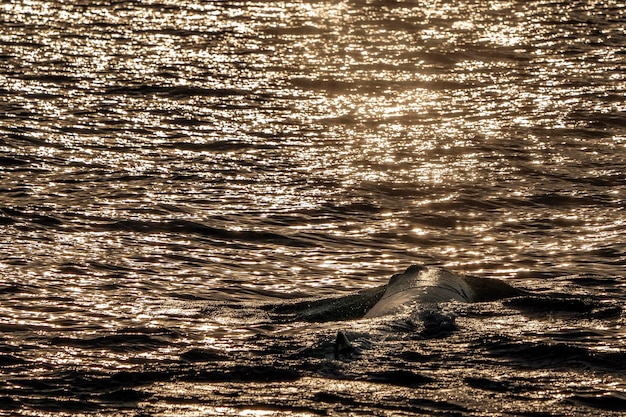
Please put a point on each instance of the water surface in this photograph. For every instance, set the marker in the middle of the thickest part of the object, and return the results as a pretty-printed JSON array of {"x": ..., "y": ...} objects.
[{"x": 167, "y": 167}]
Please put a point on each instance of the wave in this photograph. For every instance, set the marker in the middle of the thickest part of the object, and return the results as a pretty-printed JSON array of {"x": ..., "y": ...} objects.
[
  {"x": 196, "y": 228},
  {"x": 175, "y": 91},
  {"x": 11, "y": 216},
  {"x": 548, "y": 354}
]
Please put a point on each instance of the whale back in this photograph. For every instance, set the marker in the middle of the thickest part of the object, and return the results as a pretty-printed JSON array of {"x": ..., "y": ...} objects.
[
  {"x": 418, "y": 284},
  {"x": 421, "y": 284},
  {"x": 491, "y": 289}
]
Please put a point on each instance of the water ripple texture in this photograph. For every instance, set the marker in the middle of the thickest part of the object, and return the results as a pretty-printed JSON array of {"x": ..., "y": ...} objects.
[{"x": 163, "y": 159}]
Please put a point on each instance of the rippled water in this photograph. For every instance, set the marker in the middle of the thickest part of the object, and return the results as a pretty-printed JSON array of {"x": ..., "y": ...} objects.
[{"x": 167, "y": 167}]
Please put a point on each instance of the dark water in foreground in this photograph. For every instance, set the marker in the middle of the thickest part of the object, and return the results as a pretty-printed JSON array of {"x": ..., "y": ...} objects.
[{"x": 169, "y": 168}]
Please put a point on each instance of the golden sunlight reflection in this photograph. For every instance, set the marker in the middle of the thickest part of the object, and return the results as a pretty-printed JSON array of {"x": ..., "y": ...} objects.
[{"x": 175, "y": 174}]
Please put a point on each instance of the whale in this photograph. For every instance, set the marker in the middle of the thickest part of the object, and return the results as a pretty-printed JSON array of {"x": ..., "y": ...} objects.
[
  {"x": 424, "y": 285},
  {"x": 419, "y": 291},
  {"x": 417, "y": 286}
]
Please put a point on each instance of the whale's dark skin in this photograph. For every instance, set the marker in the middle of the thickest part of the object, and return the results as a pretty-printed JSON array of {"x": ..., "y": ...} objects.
[
  {"x": 348, "y": 307},
  {"x": 364, "y": 303}
]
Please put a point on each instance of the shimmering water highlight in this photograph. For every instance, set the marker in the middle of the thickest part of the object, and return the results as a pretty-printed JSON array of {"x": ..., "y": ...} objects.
[{"x": 168, "y": 166}]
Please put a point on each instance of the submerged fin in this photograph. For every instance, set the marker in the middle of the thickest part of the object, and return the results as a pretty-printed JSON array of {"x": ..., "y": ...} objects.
[{"x": 343, "y": 346}]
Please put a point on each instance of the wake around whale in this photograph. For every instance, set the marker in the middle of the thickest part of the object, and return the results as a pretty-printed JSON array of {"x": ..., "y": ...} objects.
[
  {"x": 418, "y": 290},
  {"x": 418, "y": 285}
]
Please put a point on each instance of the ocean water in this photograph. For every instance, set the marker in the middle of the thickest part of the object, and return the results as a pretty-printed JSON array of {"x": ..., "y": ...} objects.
[{"x": 170, "y": 168}]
